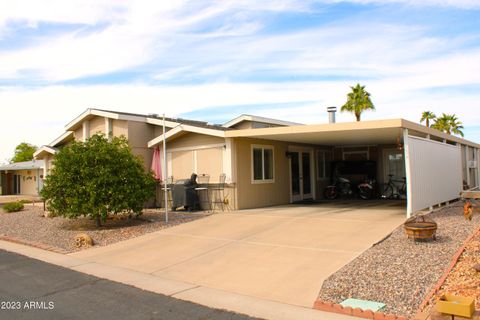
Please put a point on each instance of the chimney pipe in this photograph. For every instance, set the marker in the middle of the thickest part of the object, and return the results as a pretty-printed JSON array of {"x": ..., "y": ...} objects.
[{"x": 331, "y": 114}]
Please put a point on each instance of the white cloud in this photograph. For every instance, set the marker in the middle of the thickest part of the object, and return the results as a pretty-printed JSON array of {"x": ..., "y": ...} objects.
[
  {"x": 39, "y": 115},
  {"x": 214, "y": 42}
]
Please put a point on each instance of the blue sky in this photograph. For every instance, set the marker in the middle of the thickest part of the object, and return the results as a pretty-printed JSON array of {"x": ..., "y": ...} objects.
[{"x": 213, "y": 60}]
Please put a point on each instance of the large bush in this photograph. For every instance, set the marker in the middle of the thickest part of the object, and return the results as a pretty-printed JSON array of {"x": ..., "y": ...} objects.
[
  {"x": 97, "y": 178},
  {"x": 13, "y": 206}
]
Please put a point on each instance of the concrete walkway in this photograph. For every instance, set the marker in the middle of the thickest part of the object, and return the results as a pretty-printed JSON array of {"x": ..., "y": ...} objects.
[{"x": 279, "y": 254}]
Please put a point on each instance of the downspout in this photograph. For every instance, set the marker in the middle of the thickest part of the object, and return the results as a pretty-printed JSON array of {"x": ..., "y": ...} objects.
[
  {"x": 408, "y": 173},
  {"x": 466, "y": 167},
  {"x": 165, "y": 170},
  {"x": 478, "y": 167}
]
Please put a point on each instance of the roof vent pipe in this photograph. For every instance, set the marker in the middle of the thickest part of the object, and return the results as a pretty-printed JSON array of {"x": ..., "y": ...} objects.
[{"x": 331, "y": 114}]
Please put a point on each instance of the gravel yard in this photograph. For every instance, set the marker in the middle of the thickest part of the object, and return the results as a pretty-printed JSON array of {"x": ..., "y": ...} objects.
[
  {"x": 398, "y": 271},
  {"x": 31, "y": 225},
  {"x": 463, "y": 280}
]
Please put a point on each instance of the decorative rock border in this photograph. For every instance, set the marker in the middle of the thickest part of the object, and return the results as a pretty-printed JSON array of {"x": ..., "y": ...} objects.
[
  {"x": 369, "y": 314},
  {"x": 32, "y": 244},
  {"x": 357, "y": 312},
  {"x": 453, "y": 262}
]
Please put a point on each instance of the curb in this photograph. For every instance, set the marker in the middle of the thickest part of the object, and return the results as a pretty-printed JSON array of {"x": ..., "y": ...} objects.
[
  {"x": 452, "y": 264},
  {"x": 34, "y": 244},
  {"x": 357, "y": 312}
]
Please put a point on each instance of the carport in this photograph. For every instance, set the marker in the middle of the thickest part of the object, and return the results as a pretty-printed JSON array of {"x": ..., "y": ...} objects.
[{"x": 436, "y": 165}]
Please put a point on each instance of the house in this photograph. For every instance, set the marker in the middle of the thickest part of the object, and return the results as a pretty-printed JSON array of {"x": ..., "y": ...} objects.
[
  {"x": 272, "y": 162},
  {"x": 24, "y": 178}
]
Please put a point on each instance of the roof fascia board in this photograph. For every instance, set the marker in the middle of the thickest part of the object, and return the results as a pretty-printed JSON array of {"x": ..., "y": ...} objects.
[
  {"x": 78, "y": 119},
  {"x": 44, "y": 149},
  {"x": 89, "y": 112},
  {"x": 61, "y": 138},
  {"x": 206, "y": 131},
  {"x": 185, "y": 128},
  {"x": 165, "y": 136},
  {"x": 116, "y": 116},
  {"x": 339, "y": 126},
  {"x": 434, "y": 132}
]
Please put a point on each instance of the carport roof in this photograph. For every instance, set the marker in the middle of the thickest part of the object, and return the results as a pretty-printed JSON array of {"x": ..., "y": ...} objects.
[{"x": 346, "y": 133}]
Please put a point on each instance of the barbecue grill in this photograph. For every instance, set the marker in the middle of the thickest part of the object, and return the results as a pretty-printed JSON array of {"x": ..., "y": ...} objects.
[{"x": 184, "y": 194}]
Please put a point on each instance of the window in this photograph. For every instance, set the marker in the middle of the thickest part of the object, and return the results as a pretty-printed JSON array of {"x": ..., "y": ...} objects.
[
  {"x": 324, "y": 159},
  {"x": 262, "y": 164},
  {"x": 356, "y": 155}
]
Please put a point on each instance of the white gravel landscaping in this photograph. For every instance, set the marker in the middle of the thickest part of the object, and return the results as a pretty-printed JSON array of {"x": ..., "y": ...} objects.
[
  {"x": 398, "y": 271},
  {"x": 30, "y": 224}
]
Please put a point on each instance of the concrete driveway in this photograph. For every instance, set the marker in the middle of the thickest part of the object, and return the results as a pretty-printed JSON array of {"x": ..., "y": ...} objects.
[{"x": 279, "y": 253}]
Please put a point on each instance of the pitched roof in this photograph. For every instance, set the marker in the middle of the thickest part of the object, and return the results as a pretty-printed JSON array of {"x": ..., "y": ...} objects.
[
  {"x": 25, "y": 165},
  {"x": 248, "y": 117},
  {"x": 44, "y": 150},
  {"x": 148, "y": 118},
  {"x": 182, "y": 128}
]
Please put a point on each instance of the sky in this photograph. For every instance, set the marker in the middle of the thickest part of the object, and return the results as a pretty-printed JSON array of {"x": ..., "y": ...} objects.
[{"x": 215, "y": 60}]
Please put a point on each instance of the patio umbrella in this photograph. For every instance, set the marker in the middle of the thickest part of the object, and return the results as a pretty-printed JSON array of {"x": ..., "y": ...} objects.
[{"x": 157, "y": 164}]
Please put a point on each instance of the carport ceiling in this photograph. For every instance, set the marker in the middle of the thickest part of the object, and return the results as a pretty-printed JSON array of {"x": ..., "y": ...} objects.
[{"x": 348, "y": 137}]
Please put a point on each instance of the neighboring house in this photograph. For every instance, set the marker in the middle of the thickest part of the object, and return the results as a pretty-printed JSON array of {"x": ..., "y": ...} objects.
[
  {"x": 24, "y": 178},
  {"x": 271, "y": 162}
]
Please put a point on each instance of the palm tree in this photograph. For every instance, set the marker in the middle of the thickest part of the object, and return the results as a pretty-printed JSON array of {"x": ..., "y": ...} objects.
[
  {"x": 455, "y": 125},
  {"x": 358, "y": 101},
  {"x": 427, "y": 116},
  {"x": 449, "y": 124},
  {"x": 442, "y": 124}
]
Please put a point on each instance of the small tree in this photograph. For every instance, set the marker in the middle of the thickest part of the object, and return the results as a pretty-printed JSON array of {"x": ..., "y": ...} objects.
[
  {"x": 358, "y": 101},
  {"x": 97, "y": 178},
  {"x": 24, "y": 152}
]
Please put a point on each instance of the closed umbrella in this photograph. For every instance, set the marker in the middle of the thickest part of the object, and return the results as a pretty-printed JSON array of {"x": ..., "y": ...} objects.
[{"x": 157, "y": 164}]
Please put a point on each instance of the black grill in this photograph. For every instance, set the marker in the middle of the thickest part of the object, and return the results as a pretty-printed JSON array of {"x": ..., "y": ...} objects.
[{"x": 184, "y": 194}]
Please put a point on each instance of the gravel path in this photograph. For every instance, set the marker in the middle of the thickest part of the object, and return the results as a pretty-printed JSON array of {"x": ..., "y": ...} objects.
[
  {"x": 398, "y": 271},
  {"x": 30, "y": 224}
]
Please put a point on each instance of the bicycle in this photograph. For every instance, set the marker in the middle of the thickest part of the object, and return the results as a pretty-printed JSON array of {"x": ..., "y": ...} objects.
[{"x": 391, "y": 186}]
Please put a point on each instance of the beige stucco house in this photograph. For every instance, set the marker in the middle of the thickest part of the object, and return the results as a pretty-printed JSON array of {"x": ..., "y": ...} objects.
[
  {"x": 24, "y": 178},
  {"x": 271, "y": 162}
]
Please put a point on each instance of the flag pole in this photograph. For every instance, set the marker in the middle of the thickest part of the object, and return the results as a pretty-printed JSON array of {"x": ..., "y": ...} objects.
[{"x": 165, "y": 184}]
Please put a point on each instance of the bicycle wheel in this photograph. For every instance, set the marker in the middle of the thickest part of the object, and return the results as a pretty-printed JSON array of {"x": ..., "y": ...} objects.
[
  {"x": 365, "y": 193},
  {"x": 330, "y": 192},
  {"x": 387, "y": 192}
]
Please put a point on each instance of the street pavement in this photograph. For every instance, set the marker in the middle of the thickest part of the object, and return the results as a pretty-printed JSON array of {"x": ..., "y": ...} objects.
[{"x": 32, "y": 289}]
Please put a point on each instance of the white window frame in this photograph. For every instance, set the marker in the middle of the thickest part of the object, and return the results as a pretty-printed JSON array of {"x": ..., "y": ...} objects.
[{"x": 262, "y": 147}]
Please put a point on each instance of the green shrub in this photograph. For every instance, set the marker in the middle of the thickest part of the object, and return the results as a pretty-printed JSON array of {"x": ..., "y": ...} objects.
[
  {"x": 13, "y": 206},
  {"x": 24, "y": 201},
  {"x": 97, "y": 178}
]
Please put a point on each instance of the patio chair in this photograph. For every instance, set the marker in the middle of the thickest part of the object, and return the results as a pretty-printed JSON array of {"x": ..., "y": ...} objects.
[
  {"x": 218, "y": 192},
  {"x": 203, "y": 180}
]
